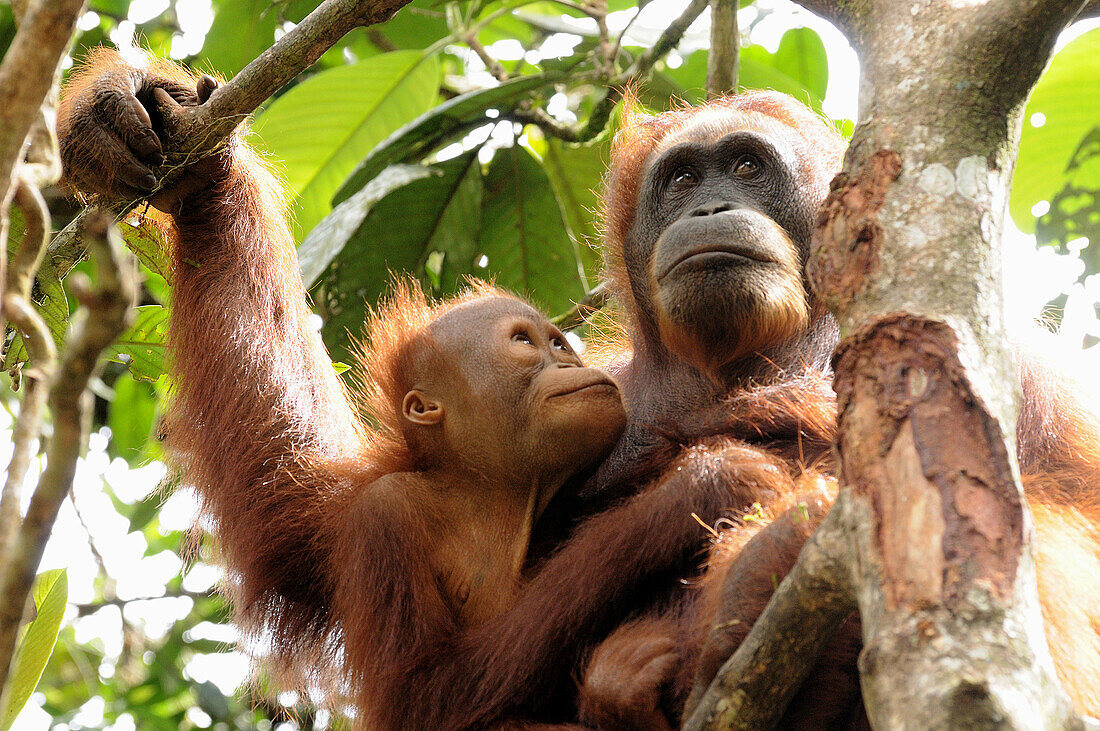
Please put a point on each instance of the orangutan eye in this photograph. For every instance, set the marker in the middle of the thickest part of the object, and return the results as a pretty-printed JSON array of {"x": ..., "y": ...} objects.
[
  {"x": 559, "y": 343},
  {"x": 747, "y": 166},
  {"x": 521, "y": 337},
  {"x": 684, "y": 175}
]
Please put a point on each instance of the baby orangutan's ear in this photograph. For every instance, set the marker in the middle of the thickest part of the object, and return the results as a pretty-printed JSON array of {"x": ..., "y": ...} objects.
[{"x": 419, "y": 408}]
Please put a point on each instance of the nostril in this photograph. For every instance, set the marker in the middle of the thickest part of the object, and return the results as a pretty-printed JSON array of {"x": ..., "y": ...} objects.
[{"x": 713, "y": 208}]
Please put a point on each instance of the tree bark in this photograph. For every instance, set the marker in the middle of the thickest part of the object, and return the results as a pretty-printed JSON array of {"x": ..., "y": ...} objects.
[
  {"x": 933, "y": 527},
  {"x": 908, "y": 257}
]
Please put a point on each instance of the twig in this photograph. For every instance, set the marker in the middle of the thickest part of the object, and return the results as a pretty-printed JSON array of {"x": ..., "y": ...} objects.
[
  {"x": 575, "y": 316},
  {"x": 109, "y": 311},
  {"x": 491, "y": 63},
  {"x": 83, "y": 610},
  {"x": 601, "y": 113},
  {"x": 27, "y": 72},
  {"x": 40, "y": 349},
  {"x": 725, "y": 42},
  {"x": 753, "y": 688}
]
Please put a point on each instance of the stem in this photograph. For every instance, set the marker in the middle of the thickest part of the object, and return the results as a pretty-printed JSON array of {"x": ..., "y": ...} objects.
[
  {"x": 109, "y": 311},
  {"x": 40, "y": 364}
]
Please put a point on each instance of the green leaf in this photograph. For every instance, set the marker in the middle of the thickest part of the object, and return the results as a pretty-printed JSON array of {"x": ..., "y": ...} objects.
[
  {"x": 1068, "y": 95},
  {"x": 417, "y": 25},
  {"x": 423, "y": 134},
  {"x": 131, "y": 416},
  {"x": 325, "y": 125},
  {"x": 523, "y": 235},
  {"x": 241, "y": 31},
  {"x": 51, "y": 591},
  {"x": 439, "y": 212},
  {"x": 576, "y": 174},
  {"x": 801, "y": 56},
  {"x": 329, "y": 237},
  {"x": 149, "y": 246},
  {"x": 143, "y": 343}
]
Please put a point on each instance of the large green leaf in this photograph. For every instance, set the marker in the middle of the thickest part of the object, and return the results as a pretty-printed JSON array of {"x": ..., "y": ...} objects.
[
  {"x": 131, "y": 417},
  {"x": 51, "y": 592},
  {"x": 400, "y": 232},
  {"x": 142, "y": 346},
  {"x": 1068, "y": 96},
  {"x": 324, "y": 126},
  {"x": 576, "y": 173},
  {"x": 423, "y": 134},
  {"x": 523, "y": 234},
  {"x": 242, "y": 30},
  {"x": 329, "y": 237}
]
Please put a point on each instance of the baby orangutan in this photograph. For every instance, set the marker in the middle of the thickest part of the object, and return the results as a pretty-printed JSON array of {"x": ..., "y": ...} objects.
[{"x": 485, "y": 412}]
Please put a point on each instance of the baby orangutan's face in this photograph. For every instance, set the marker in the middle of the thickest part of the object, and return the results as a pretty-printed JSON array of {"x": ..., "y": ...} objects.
[{"x": 517, "y": 388}]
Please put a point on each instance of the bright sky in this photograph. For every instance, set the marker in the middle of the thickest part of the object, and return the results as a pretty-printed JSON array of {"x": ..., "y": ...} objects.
[{"x": 1034, "y": 277}]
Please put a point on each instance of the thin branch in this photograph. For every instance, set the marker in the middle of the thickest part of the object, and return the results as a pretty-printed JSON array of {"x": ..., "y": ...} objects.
[
  {"x": 109, "y": 311},
  {"x": 83, "y": 610},
  {"x": 26, "y": 74},
  {"x": 753, "y": 687},
  {"x": 41, "y": 352},
  {"x": 579, "y": 313},
  {"x": 491, "y": 63},
  {"x": 601, "y": 113},
  {"x": 725, "y": 43}
]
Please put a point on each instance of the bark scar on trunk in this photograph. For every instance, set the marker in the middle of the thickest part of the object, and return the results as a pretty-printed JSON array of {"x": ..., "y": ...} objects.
[
  {"x": 920, "y": 445},
  {"x": 847, "y": 237}
]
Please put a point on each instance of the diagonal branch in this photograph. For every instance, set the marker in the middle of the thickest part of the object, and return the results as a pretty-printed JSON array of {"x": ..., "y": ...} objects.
[{"x": 753, "y": 688}]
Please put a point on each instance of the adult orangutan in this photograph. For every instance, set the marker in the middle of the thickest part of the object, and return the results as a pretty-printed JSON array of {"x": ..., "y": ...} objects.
[{"x": 709, "y": 214}]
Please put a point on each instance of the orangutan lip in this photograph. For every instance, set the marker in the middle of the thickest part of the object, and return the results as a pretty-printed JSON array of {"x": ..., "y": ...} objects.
[
  {"x": 721, "y": 249},
  {"x": 585, "y": 387}
]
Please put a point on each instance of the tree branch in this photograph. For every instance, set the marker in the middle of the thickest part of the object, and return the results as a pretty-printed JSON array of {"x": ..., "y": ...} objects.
[
  {"x": 578, "y": 313},
  {"x": 725, "y": 42},
  {"x": 40, "y": 349},
  {"x": 754, "y": 687},
  {"x": 109, "y": 309}
]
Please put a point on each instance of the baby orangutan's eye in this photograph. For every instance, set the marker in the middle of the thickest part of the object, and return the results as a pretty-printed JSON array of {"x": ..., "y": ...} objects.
[
  {"x": 560, "y": 344},
  {"x": 521, "y": 337}
]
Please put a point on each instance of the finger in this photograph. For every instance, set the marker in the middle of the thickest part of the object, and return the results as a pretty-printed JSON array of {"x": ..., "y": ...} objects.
[
  {"x": 121, "y": 168},
  {"x": 99, "y": 161},
  {"x": 125, "y": 114},
  {"x": 206, "y": 86}
]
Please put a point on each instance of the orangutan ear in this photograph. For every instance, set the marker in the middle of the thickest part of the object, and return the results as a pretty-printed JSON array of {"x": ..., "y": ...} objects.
[{"x": 421, "y": 409}]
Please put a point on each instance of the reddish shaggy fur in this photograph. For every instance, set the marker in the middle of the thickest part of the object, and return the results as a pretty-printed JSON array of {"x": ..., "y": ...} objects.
[{"x": 264, "y": 430}]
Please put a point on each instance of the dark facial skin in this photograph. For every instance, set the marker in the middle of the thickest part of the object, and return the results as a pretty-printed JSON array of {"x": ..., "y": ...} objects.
[
  {"x": 719, "y": 243},
  {"x": 510, "y": 396}
]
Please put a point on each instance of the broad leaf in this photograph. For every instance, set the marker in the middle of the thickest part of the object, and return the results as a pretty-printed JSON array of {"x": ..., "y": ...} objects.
[
  {"x": 423, "y": 134},
  {"x": 1055, "y": 156},
  {"x": 576, "y": 173},
  {"x": 51, "y": 591},
  {"x": 523, "y": 235},
  {"x": 142, "y": 346},
  {"x": 324, "y": 126},
  {"x": 131, "y": 416},
  {"x": 329, "y": 237},
  {"x": 439, "y": 212}
]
